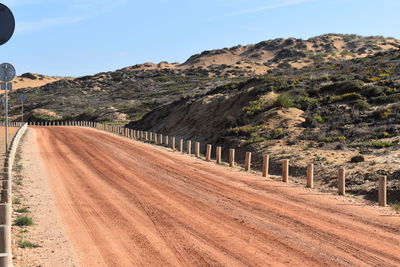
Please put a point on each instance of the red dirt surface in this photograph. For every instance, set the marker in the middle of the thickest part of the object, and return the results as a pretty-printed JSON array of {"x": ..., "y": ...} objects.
[{"x": 125, "y": 203}]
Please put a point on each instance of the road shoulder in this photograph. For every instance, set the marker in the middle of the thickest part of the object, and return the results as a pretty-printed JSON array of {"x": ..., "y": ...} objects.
[{"x": 32, "y": 191}]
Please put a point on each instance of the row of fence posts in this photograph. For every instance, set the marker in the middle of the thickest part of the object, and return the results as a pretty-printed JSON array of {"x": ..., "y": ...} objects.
[
  {"x": 12, "y": 124},
  {"x": 64, "y": 123},
  {"x": 6, "y": 199},
  {"x": 171, "y": 142}
]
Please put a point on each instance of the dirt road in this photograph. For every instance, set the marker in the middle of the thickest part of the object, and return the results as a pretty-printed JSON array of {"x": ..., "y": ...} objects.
[{"x": 124, "y": 203}]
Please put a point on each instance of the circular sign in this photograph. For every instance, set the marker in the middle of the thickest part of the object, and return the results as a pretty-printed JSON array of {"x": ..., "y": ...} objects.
[
  {"x": 7, "y": 24},
  {"x": 7, "y": 72}
]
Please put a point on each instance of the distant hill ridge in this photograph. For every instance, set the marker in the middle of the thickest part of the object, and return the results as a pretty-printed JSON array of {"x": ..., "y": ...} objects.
[{"x": 257, "y": 59}]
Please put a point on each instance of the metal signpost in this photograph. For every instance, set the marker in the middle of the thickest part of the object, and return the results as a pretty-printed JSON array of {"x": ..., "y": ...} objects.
[
  {"x": 7, "y": 74},
  {"x": 7, "y": 71},
  {"x": 22, "y": 98}
]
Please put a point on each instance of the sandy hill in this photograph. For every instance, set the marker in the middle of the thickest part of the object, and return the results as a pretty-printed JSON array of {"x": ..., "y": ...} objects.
[
  {"x": 257, "y": 59},
  {"x": 32, "y": 80},
  {"x": 286, "y": 53}
]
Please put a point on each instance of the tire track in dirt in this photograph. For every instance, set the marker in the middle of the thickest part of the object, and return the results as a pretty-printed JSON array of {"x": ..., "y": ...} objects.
[{"x": 127, "y": 203}]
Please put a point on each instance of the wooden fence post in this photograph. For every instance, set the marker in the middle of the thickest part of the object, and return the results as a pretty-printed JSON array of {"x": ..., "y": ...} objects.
[
  {"x": 173, "y": 143},
  {"x": 342, "y": 181},
  {"x": 248, "y": 161},
  {"x": 231, "y": 157},
  {"x": 265, "y": 165},
  {"x": 310, "y": 175},
  {"x": 5, "y": 196},
  {"x": 197, "y": 149},
  {"x": 208, "y": 152},
  {"x": 166, "y": 140},
  {"x": 5, "y": 248},
  {"x": 189, "y": 147},
  {"x": 5, "y": 213},
  {"x": 383, "y": 191},
  {"x": 160, "y": 139},
  {"x": 218, "y": 154},
  {"x": 285, "y": 170},
  {"x": 181, "y": 145}
]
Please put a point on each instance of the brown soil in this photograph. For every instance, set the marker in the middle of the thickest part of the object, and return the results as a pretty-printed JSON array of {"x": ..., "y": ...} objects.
[
  {"x": 31, "y": 189},
  {"x": 126, "y": 203}
]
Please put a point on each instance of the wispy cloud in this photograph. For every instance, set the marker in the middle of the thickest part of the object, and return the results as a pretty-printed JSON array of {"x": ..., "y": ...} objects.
[
  {"x": 47, "y": 23},
  {"x": 84, "y": 10},
  {"x": 280, "y": 4}
]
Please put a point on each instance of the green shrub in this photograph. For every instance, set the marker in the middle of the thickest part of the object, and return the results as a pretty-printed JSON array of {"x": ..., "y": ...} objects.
[
  {"x": 380, "y": 144},
  {"x": 305, "y": 102},
  {"x": 318, "y": 118},
  {"x": 390, "y": 90},
  {"x": 246, "y": 129},
  {"x": 346, "y": 97},
  {"x": 288, "y": 100},
  {"x": 396, "y": 207},
  {"x": 255, "y": 107},
  {"x": 386, "y": 99},
  {"x": 29, "y": 76},
  {"x": 361, "y": 104},
  {"x": 332, "y": 139},
  {"x": 278, "y": 133},
  {"x": 254, "y": 140},
  {"x": 23, "y": 210},
  {"x": 26, "y": 244},
  {"x": 357, "y": 159},
  {"x": 23, "y": 221},
  {"x": 372, "y": 90},
  {"x": 383, "y": 113},
  {"x": 285, "y": 101},
  {"x": 345, "y": 87},
  {"x": 230, "y": 86}
]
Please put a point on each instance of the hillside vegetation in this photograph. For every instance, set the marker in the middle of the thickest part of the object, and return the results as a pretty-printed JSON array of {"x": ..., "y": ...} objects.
[
  {"x": 129, "y": 93},
  {"x": 330, "y": 113},
  {"x": 117, "y": 96},
  {"x": 332, "y": 100}
]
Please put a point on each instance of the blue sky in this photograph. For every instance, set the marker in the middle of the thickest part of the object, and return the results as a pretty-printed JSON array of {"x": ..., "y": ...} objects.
[{"x": 80, "y": 37}]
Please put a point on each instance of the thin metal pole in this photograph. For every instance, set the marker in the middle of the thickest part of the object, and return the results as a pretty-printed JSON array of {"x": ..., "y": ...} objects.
[
  {"x": 6, "y": 117},
  {"x": 22, "y": 115}
]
